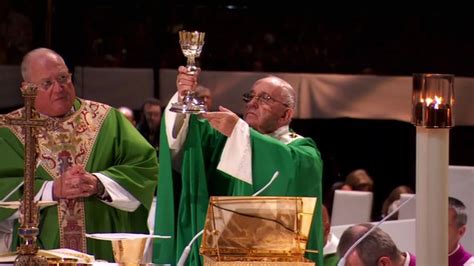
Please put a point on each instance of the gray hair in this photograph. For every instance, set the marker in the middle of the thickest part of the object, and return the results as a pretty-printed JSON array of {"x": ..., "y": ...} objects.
[
  {"x": 288, "y": 93},
  {"x": 25, "y": 63},
  {"x": 460, "y": 210},
  {"x": 375, "y": 245}
]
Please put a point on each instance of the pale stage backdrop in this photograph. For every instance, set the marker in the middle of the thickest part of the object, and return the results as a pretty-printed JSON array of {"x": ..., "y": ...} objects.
[
  {"x": 319, "y": 95},
  {"x": 330, "y": 95}
]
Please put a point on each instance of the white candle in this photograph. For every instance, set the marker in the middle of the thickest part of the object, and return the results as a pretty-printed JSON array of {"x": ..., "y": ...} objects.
[{"x": 432, "y": 161}]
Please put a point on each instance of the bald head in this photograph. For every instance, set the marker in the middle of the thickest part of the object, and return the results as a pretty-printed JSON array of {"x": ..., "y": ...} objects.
[
  {"x": 48, "y": 71},
  {"x": 38, "y": 57},
  {"x": 287, "y": 92},
  {"x": 128, "y": 113},
  {"x": 270, "y": 104}
]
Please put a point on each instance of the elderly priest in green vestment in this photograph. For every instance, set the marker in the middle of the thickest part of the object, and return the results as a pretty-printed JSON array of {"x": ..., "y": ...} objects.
[
  {"x": 225, "y": 155},
  {"x": 98, "y": 167}
]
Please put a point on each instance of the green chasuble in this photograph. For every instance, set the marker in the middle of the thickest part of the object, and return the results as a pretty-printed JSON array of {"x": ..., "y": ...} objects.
[
  {"x": 331, "y": 260},
  {"x": 101, "y": 139},
  {"x": 182, "y": 198}
]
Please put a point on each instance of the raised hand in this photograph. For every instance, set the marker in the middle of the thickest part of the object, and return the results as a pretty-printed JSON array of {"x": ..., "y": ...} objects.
[
  {"x": 223, "y": 121},
  {"x": 186, "y": 81}
]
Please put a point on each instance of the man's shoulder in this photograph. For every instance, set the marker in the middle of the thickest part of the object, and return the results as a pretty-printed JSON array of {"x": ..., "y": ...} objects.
[
  {"x": 16, "y": 114},
  {"x": 290, "y": 137},
  {"x": 294, "y": 138},
  {"x": 95, "y": 103},
  {"x": 99, "y": 109}
]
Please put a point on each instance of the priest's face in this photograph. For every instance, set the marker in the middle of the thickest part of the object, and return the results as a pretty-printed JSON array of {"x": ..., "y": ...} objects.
[
  {"x": 153, "y": 115},
  {"x": 455, "y": 233},
  {"x": 266, "y": 109},
  {"x": 56, "y": 93}
]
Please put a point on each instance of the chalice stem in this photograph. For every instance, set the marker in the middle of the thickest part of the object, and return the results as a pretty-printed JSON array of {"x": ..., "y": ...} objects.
[{"x": 191, "y": 61}]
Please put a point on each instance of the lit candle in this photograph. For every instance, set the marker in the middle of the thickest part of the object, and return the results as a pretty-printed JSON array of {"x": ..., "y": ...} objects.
[
  {"x": 437, "y": 113},
  {"x": 432, "y": 102}
]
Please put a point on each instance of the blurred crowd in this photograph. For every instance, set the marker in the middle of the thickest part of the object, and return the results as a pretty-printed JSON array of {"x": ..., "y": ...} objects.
[{"x": 239, "y": 38}]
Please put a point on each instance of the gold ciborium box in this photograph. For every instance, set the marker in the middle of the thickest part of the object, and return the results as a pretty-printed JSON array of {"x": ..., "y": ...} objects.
[{"x": 257, "y": 230}]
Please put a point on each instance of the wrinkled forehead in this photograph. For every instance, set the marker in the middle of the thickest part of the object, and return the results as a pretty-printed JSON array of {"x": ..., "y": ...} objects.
[
  {"x": 270, "y": 85},
  {"x": 45, "y": 66}
]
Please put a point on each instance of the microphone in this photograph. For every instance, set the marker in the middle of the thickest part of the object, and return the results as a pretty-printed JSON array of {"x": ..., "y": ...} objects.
[
  {"x": 11, "y": 192},
  {"x": 342, "y": 261},
  {"x": 275, "y": 175},
  {"x": 17, "y": 187},
  {"x": 187, "y": 249}
]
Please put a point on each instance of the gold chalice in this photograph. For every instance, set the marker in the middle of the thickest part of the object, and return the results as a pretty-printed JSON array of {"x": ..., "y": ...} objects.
[{"x": 191, "y": 43}]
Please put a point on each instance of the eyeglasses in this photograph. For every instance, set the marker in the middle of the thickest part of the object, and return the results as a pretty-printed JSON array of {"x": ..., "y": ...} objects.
[
  {"x": 62, "y": 79},
  {"x": 262, "y": 98}
]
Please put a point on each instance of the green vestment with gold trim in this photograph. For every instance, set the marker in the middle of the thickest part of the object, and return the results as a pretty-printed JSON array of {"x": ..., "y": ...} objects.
[{"x": 100, "y": 138}]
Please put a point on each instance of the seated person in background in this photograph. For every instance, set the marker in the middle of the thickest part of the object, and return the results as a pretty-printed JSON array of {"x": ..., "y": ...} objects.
[
  {"x": 150, "y": 121},
  {"x": 330, "y": 241},
  {"x": 393, "y": 201},
  {"x": 128, "y": 113},
  {"x": 95, "y": 164},
  {"x": 377, "y": 248},
  {"x": 358, "y": 180},
  {"x": 456, "y": 229},
  {"x": 205, "y": 95}
]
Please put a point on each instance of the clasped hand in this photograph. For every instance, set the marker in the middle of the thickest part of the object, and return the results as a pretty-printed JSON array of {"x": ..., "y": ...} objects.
[{"x": 75, "y": 182}]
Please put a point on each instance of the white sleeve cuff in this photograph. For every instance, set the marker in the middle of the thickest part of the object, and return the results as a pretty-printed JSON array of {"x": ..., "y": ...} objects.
[
  {"x": 46, "y": 191},
  {"x": 236, "y": 158},
  {"x": 121, "y": 198}
]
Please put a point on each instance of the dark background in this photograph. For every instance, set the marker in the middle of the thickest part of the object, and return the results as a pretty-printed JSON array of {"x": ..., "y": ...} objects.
[{"x": 294, "y": 36}]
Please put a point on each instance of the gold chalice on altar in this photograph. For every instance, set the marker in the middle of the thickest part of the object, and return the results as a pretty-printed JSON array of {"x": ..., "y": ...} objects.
[
  {"x": 129, "y": 251},
  {"x": 191, "y": 43}
]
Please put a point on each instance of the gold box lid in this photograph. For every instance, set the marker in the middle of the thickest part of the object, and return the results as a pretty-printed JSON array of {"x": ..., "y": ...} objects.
[{"x": 257, "y": 227}]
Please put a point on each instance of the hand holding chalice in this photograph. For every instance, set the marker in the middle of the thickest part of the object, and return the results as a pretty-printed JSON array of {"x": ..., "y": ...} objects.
[{"x": 191, "y": 43}]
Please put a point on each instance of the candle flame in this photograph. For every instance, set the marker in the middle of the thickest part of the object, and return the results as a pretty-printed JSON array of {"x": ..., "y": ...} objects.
[{"x": 435, "y": 103}]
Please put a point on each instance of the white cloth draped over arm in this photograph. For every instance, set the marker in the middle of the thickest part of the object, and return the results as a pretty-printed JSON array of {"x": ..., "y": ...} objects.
[{"x": 236, "y": 158}]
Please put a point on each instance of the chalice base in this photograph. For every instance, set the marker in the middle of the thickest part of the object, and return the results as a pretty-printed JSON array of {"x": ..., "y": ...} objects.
[
  {"x": 187, "y": 108},
  {"x": 30, "y": 259},
  {"x": 189, "y": 105}
]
